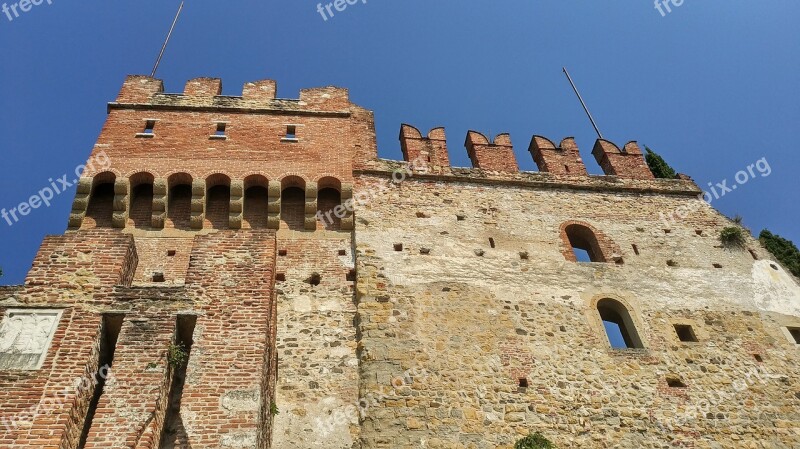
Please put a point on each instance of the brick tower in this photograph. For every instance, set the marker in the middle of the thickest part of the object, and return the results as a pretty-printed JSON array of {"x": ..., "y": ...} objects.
[{"x": 245, "y": 272}]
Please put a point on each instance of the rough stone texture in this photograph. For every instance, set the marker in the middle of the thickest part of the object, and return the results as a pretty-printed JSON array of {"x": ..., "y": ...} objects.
[
  {"x": 447, "y": 334},
  {"x": 447, "y": 311}
]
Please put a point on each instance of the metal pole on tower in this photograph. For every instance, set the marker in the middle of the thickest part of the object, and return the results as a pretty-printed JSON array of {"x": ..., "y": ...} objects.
[
  {"x": 166, "y": 41},
  {"x": 591, "y": 119}
]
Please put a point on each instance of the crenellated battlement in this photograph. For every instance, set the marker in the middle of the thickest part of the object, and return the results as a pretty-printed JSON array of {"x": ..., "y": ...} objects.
[
  {"x": 497, "y": 156},
  {"x": 140, "y": 90}
]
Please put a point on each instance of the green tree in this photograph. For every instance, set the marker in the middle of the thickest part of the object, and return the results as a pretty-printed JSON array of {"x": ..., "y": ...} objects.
[
  {"x": 658, "y": 165},
  {"x": 784, "y": 250}
]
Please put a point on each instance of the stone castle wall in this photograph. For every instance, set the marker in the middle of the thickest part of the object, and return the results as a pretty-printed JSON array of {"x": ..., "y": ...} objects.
[
  {"x": 451, "y": 323},
  {"x": 326, "y": 298}
]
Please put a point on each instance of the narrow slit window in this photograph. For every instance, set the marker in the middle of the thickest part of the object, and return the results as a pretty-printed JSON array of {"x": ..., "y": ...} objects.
[
  {"x": 635, "y": 249},
  {"x": 149, "y": 127}
]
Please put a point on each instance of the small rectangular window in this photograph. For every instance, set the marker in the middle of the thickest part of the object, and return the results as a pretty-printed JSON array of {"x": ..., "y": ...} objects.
[
  {"x": 291, "y": 132},
  {"x": 149, "y": 126},
  {"x": 221, "y": 129},
  {"x": 685, "y": 333},
  {"x": 795, "y": 333}
]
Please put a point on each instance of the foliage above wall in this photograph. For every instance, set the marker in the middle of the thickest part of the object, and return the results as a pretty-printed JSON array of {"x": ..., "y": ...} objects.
[
  {"x": 658, "y": 165},
  {"x": 784, "y": 250}
]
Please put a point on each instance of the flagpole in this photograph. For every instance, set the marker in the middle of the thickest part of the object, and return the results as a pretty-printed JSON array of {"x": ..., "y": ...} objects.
[
  {"x": 166, "y": 41},
  {"x": 591, "y": 119}
]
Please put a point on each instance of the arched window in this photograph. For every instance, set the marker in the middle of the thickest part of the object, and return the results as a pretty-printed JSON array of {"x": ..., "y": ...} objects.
[
  {"x": 293, "y": 203},
  {"x": 618, "y": 324},
  {"x": 256, "y": 199},
  {"x": 101, "y": 202},
  {"x": 583, "y": 244},
  {"x": 179, "y": 202},
  {"x": 218, "y": 201},
  {"x": 141, "y": 215}
]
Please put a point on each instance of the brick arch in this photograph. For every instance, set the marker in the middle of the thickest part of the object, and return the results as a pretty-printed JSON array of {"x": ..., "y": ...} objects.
[
  {"x": 603, "y": 248},
  {"x": 256, "y": 180},
  {"x": 255, "y": 212},
  {"x": 179, "y": 200},
  {"x": 100, "y": 209},
  {"x": 329, "y": 182},
  {"x": 140, "y": 207},
  {"x": 141, "y": 177},
  {"x": 293, "y": 180},
  {"x": 107, "y": 176},
  {"x": 178, "y": 178},
  {"x": 214, "y": 179}
]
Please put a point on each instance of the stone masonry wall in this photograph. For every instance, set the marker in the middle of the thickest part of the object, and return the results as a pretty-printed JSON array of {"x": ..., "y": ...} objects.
[
  {"x": 451, "y": 322},
  {"x": 317, "y": 387}
]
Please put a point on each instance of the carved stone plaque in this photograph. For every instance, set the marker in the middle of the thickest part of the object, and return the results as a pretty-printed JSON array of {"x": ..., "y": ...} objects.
[{"x": 25, "y": 337}]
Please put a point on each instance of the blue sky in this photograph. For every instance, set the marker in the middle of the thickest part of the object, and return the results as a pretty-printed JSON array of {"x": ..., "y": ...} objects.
[{"x": 712, "y": 86}]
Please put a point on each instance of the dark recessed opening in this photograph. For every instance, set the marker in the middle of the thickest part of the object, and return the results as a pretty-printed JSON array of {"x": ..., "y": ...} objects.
[
  {"x": 342, "y": 252},
  {"x": 158, "y": 277},
  {"x": 491, "y": 242},
  {"x": 171, "y": 253},
  {"x": 149, "y": 126},
  {"x": 280, "y": 277},
  {"x": 221, "y": 129},
  {"x": 685, "y": 333},
  {"x": 351, "y": 276},
  {"x": 566, "y": 168},
  {"x": 667, "y": 231},
  {"x": 523, "y": 255},
  {"x": 635, "y": 249},
  {"x": 291, "y": 132},
  {"x": 460, "y": 217},
  {"x": 422, "y": 215},
  {"x": 314, "y": 279},
  {"x": 758, "y": 358},
  {"x": 753, "y": 253},
  {"x": 282, "y": 252},
  {"x": 795, "y": 332},
  {"x": 424, "y": 251},
  {"x": 699, "y": 232},
  {"x": 672, "y": 263},
  {"x": 398, "y": 246},
  {"x": 717, "y": 265},
  {"x": 773, "y": 266},
  {"x": 523, "y": 382},
  {"x": 675, "y": 382}
]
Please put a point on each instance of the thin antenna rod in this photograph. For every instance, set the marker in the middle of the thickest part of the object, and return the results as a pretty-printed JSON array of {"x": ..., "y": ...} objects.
[
  {"x": 164, "y": 47},
  {"x": 591, "y": 119}
]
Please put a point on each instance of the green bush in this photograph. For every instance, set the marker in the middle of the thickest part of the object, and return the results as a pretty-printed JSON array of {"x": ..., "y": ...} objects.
[
  {"x": 177, "y": 355},
  {"x": 733, "y": 236},
  {"x": 784, "y": 250},
  {"x": 273, "y": 409},
  {"x": 658, "y": 165},
  {"x": 534, "y": 441}
]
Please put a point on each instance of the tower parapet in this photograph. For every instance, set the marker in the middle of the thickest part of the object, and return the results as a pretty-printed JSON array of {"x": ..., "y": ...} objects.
[
  {"x": 626, "y": 163},
  {"x": 562, "y": 160},
  {"x": 431, "y": 150},
  {"x": 497, "y": 155}
]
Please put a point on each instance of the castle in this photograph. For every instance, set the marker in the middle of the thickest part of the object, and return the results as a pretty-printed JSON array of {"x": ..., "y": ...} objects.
[{"x": 245, "y": 272}]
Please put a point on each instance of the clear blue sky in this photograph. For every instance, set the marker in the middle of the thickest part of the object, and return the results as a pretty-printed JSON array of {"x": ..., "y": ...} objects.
[{"x": 712, "y": 86}]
